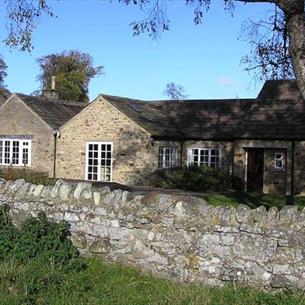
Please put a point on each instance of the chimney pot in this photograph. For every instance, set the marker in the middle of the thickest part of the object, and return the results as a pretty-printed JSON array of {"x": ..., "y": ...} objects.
[
  {"x": 53, "y": 84},
  {"x": 51, "y": 93}
]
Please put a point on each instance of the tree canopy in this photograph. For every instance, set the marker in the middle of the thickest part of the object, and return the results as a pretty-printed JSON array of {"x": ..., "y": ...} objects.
[
  {"x": 73, "y": 71},
  {"x": 3, "y": 68},
  {"x": 175, "y": 92},
  {"x": 21, "y": 21},
  {"x": 278, "y": 44}
]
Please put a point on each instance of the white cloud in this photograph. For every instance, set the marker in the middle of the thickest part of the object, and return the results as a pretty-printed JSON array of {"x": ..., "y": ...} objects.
[{"x": 225, "y": 81}]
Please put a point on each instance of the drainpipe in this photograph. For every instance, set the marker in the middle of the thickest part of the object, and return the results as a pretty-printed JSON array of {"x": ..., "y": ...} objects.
[
  {"x": 292, "y": 172},
  {"x": 56, "y": 136},
  {"x": 181, "y": 153},
  {"x": 233, "y": 159}
]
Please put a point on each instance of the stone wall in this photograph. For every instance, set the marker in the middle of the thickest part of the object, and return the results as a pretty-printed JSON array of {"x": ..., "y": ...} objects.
[{"x": 173, "y": 235}]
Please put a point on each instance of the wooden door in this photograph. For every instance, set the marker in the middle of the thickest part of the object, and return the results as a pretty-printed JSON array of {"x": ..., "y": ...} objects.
[{"x": 255, "y": 169}]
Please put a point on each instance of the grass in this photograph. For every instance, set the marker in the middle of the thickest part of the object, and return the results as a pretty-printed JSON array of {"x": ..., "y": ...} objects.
[
  {"x": 252, "y": 199},
  {"x": 110, "y": 284}
]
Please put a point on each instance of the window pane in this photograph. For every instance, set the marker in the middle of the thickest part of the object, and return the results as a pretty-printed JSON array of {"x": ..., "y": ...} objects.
[
  {"x": 279, "y": 160},
  {"x": 92, "y": 162},
  {"x": 15, "y": 157},
  {"x": 1, "y": 152},
  {"x": 167, "y": 157},
  {"x": 7, "y": 154},
  {"x": 106, "y": 157},
  {"x": 205, "y": 156},
  {"x": 99, "y": 162},
  {"x": 25, "y": 153},
  {"x": 15, "y": 152}
]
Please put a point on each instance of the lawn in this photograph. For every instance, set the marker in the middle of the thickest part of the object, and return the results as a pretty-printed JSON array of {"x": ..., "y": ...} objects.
[
  {"x": 252, "y": 199},
  {"x": 41, "y": 283}
]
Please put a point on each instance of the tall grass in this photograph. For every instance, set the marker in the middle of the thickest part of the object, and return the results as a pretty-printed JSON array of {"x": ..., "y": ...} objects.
[{"x": 40, "y": 282}]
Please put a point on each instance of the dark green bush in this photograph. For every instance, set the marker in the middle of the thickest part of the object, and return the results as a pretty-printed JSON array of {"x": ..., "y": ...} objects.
[
  {"x": 8, "y": 233},
  {"x": 198, "y": 179},
  {"x": 38, "y": 238},
  {"x": 11, "y": 173}
]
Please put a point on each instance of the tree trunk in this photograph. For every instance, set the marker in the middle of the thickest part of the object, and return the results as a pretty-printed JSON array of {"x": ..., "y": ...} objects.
[{"x": 294, "y": 13}]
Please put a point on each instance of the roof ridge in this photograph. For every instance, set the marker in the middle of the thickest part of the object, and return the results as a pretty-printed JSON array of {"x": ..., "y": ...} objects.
[
  {"x": 151, "y": 102},
  {"x": 45, "y": 99}
]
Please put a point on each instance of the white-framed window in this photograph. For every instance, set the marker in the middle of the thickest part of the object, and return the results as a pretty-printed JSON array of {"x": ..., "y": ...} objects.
[
  {"x": 167, "y": 157},
  {"x": 279, "y": 160},
  {"x": 15, "y": 152},
  {"x": 204, "y": 156},
  {"x": 99, "y": 161}
]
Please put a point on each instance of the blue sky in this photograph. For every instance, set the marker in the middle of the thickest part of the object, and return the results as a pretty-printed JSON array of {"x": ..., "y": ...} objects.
[{"x": 204, "y": 59}]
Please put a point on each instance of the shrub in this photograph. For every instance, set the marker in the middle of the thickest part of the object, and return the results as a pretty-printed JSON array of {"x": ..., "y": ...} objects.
[
  {"x": 198, "y": 179},
  {"x": 38, "y": 238},
  {"x": 11, "y": 173},
  {"x": 8, "y": 233}
]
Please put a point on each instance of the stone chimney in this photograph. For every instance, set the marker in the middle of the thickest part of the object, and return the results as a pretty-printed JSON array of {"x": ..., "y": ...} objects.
[{"x": 51, "y": 93}]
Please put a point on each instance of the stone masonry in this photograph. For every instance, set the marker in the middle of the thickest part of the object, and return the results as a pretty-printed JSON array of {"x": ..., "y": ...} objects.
[
  {"x": 16, "y": 120},
  {"x": 175, "y": 236},
  {"x": 134, "y": 156}
]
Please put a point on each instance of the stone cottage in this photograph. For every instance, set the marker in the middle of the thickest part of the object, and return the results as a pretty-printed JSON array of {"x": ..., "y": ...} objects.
[
  {"x": 123, "y": 140},
  {"x": 29, "y": 129},
  {"x": 261, "y": 140}
]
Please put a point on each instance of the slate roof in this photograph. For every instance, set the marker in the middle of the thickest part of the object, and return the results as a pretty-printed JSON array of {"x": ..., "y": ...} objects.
[
  {"x": 54, "y": 112},
  {"x": 280, "y": 90},
  {"x": 277, "y": 113},
  {"x": 190, "y": 119}
]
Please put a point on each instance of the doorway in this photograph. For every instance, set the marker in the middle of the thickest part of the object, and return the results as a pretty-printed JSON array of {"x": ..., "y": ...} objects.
[
  {"x": 99, "y": 161},
  {"x": 255, "y": 169}
]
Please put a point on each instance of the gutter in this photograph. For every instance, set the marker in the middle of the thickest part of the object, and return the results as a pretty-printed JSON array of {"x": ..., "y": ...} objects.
[{"x": 56, "y": 136}]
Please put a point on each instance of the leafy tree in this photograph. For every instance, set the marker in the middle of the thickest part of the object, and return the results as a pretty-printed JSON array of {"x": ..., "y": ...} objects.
[
  {"x": 269, "y": 56},
  {"x": 22, "y": 18},
  {"x": 287, "y": 31},
  {"x": 175, "y": 92},
  {"x": 278, "y": 44},
  {"x": 3, "y": 73},
  {"x": 73, "y": 71}
]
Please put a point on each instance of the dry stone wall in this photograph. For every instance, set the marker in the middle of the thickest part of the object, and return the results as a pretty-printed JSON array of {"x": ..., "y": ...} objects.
[{"x": 174, "y": 236}]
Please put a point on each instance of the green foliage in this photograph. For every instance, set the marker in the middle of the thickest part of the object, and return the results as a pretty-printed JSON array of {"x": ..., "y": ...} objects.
[
  {"x": 21, "y": 19},
  {"x": 11, "y": 173},
  {"x": 37, "y": 269},
  {"x": 8, "y": 233},
  {"x": 38, "y": 282},
  {"x": 73, "y": 71},
  {"x": 38, "y": 238},
  {"x": 197, "y": 179},
  {"x": 253, "y": 199},
  {"x": 3, "y": 74}
]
